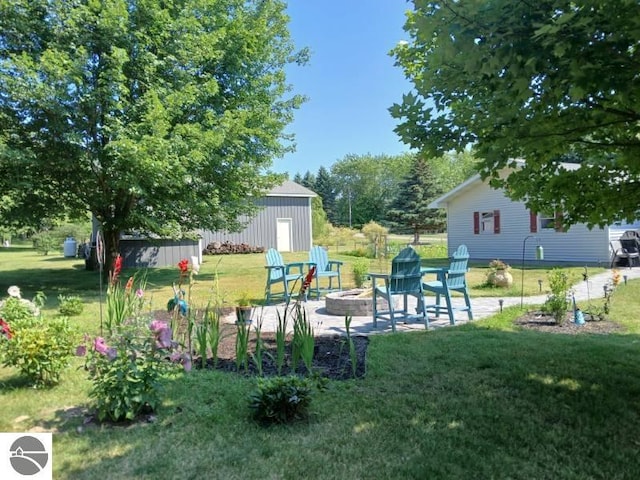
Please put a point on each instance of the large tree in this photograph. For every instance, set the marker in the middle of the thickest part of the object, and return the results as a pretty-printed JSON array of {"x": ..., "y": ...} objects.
[
  {"x": 541, "y": 80},
  {"x": 366, "y": 185},
  {"x": 159, "y": 117},
  {"x": 410, "y": 209}
]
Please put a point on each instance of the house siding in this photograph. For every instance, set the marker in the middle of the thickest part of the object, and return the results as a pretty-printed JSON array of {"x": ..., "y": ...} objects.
[
  {"x": 578, "y": 244},
  {"x": 143, "y": 253},
  {"x": 261, "y": 230}
]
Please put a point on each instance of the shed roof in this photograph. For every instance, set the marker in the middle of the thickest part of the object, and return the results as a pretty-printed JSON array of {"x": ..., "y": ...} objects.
[{"x": 290, "y": 189}]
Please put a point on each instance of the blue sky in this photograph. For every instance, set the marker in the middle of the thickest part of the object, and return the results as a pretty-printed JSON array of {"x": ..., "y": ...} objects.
[{"x": 350, "y": 81}]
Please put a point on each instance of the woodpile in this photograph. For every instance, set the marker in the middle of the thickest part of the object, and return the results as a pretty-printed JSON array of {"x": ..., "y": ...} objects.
[{"x": 227, "y": 248}]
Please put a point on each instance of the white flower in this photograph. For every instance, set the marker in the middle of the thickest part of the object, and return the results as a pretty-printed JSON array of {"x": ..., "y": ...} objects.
[{"x": 14, "y": 291}]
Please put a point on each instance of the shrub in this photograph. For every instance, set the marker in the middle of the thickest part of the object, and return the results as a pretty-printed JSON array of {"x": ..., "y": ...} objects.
[
  {"x": 281, "y": 399},
  {"x": 40, "y": 349},
  {"x": 556, "y": 303},
  {"x": 360, "y": 271},
  {"x": 70, "y": 306},
  {"x": 43, "y": 242}
]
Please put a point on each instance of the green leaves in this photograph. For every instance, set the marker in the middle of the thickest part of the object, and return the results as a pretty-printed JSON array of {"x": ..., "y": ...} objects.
[
  {"x": 533, "y": 80},
  {"x": 149, "y": 115}
]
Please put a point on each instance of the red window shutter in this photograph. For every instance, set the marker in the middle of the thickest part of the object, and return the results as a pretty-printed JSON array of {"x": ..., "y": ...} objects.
[
  {"x": 559, "y": 227},
  {"x": 533, "y": 222},
  {"x": 476, "y": 223},
  {"x": 496, "y": 221}
]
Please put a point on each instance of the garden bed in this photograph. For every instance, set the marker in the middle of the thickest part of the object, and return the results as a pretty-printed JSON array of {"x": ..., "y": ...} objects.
[{"x": 543, "y": 322}]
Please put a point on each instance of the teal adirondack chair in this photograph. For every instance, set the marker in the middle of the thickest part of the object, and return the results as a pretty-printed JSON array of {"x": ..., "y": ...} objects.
[
  {"x": 325, "y": 268},
  {"x": 279, "y": 273},
  {"x": 452, "y": 280},
  {"x": 405, "y": 279}
]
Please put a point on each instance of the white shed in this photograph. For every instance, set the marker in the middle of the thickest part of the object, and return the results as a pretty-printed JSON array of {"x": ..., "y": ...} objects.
[{"x": 494, "y": 226}]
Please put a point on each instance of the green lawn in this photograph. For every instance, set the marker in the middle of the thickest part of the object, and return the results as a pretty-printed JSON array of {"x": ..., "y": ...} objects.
[{"x": 483, "y": 400}]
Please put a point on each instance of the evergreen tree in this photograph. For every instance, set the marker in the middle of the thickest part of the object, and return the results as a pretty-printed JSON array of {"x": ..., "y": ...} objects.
[
  {"x": 409, "y": 210},
  {"x": 326, "y": 188}
]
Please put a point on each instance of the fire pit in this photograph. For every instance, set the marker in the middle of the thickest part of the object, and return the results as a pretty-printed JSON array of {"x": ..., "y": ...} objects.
[{"x": 350, "y": 302}]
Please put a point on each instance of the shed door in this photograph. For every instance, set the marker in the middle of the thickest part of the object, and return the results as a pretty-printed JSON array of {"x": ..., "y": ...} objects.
[{"x": 283, "y": 235}]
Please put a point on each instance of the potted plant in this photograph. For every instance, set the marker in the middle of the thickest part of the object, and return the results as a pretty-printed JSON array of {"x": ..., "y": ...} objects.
[
  {"x": 499, "y": 275},
  {"x": 244, "y": 309}
]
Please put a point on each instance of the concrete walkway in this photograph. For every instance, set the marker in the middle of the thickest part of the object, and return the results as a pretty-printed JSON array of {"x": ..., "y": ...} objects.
[{"x": 326, "y": 324}]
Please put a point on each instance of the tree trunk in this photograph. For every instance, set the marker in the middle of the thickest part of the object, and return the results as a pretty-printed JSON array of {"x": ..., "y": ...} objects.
[
  {"x": 416, "y": 237},
  {"x": 111, "y": 250}
]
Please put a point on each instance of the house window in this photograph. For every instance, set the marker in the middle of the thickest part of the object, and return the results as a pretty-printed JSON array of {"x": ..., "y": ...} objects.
[
  {"x": 486, "y": 222},
  {"x": 551, "y": 221},
  {"x": 547, "y": 221}
]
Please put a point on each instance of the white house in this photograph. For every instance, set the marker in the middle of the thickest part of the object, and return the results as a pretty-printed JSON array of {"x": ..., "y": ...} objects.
[{"x": 494, "y": 226}]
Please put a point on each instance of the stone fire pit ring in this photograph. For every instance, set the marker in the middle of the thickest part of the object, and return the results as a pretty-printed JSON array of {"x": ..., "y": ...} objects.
[{"x": 348, "y": 302}]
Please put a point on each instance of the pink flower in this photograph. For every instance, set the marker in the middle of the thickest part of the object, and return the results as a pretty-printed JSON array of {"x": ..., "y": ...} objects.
[
  {"x": 100, "y": 346},
  {"x": 163, "y": 338},
  {"x": 157, "y": 325},
  {"x": 139, "y": 293},
  {"x": 5, "y": 329},
  {"x": 81, "y": 351}
]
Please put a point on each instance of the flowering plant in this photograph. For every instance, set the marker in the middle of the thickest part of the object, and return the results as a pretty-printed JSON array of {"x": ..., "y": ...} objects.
[
  {"x": 123, "y": 302},
  {"x": 40, "y": 349},
  {"x": 498, "y": 264},
  {"x": 126, "y": 369}
]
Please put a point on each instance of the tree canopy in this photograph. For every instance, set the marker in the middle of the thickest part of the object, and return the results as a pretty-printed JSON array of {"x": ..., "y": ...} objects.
[
  {"x": 158, "y": 117},
  {"x": 543, "y": 81},
  {"x": 366, "y": 185}
]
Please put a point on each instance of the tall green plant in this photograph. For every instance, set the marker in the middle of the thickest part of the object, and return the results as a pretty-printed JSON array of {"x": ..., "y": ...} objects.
[
  {"x": 257, "y": 356},
  {"x": 303, "y": 342},
  {"x": 212, "y": 321},
  {"x": 557, "y": 303},
  {"x": 242, "y": 345},
  {"x": 281, "y": 335}
]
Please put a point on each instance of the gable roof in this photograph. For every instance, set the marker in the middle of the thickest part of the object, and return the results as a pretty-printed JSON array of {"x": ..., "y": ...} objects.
[
  {"x": 290, "y": 189},
  {"x": 443, "y": 200}
]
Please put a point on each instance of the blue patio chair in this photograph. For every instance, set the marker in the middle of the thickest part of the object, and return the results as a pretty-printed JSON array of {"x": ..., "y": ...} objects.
[
  {"x": 450, "y": 280},
  {"x": 405, "y": 279},
  {"x": 280, "y": 273},
  {"x": 325, "y": 268}
]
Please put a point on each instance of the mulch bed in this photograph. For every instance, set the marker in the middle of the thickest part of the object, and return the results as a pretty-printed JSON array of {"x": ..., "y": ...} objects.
[
  {"x": 331, "y": 359},
  {"x": 540, "y": 321}
]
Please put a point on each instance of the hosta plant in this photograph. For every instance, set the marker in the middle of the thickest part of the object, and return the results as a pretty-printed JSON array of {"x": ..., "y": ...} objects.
[{"x": 281, "y": 399}]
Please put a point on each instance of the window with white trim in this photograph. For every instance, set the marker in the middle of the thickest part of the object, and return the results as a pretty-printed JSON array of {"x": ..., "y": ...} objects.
[
  {"x": 548, "y": 221},
  {"x": 486, "y": 222}
]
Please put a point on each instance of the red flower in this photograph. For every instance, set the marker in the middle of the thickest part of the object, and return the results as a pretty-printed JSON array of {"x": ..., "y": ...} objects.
[
  {"x": 183, "y": 265},
  {"x": 129, "y": 284},
  {"x": 5, "y": 329},
  {"x": 117, "y": 268},
  {"x": 307, "y": 280}
]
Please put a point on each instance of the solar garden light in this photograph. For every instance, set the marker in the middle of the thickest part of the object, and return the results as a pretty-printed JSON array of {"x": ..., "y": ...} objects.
[
  {"x": 625, "y": 278},
  {"x": 501, "y": 302},
  {"x": 540, "y": 284}
]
